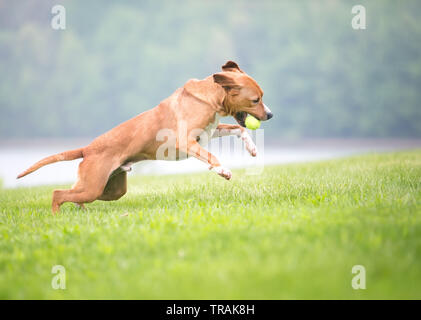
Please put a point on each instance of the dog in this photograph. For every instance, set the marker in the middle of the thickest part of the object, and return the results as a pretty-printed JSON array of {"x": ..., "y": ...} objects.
[{"x": 157, "y": 134}]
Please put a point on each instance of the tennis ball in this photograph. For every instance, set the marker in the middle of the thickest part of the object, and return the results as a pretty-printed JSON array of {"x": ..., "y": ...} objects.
[{"x": 252, "y": 123}]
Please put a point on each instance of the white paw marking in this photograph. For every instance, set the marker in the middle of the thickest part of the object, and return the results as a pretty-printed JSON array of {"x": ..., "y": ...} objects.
[
  {"x": 223, "y": 172},
  {"x": 127, "y": 167},
  {"x": 248, "y": 141}
]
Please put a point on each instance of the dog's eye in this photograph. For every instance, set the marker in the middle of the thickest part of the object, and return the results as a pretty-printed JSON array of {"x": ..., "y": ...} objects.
[{"x": 256, "y": 101}]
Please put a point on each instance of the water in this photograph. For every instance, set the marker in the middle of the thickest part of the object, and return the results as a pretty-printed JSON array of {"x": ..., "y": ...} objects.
[{"x": 16, "y": 156}]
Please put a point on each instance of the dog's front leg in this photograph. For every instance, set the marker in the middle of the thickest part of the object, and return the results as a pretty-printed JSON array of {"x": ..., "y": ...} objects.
[
  {"x": 236, "y": 130},
  {"x": 193, "y": 148}
]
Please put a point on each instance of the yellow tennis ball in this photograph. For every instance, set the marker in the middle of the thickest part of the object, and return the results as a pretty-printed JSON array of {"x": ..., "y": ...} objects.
[{"x": 252, "y": 123}]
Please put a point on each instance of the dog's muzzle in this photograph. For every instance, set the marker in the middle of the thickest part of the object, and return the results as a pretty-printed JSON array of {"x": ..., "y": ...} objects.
[
  {"x": 242, "y": 115},
  {"x": 269, "y": 113},
  {"x": 241, "y": 118}
]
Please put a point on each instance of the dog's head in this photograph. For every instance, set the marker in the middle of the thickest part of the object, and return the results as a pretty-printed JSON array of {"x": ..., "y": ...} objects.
[{"x": 243, "y": 94}]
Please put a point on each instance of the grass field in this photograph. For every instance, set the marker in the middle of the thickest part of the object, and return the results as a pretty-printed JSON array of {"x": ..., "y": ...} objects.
[{"x": 294, "y": 232}]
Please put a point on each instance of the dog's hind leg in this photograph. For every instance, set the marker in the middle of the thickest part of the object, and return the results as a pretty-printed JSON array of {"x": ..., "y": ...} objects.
[
  {"x": 116, "y": 186},
  {"x": 93, "y": 175}
]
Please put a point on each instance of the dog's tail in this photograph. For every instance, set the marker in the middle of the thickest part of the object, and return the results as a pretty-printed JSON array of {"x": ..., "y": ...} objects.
[{"x": 63, "y": 156}]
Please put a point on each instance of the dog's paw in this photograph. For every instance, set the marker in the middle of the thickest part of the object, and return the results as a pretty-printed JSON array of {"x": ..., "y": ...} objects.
[
  {"x": 223, "y": 172},
  {"x": 248, "y": 141}
]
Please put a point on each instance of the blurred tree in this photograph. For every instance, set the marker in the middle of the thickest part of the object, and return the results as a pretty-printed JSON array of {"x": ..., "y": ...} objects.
[{"x": 116, "y": 59}]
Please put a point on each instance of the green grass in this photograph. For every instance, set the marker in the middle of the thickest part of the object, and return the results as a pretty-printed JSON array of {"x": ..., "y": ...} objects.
[{"x": 294, "y": 232}]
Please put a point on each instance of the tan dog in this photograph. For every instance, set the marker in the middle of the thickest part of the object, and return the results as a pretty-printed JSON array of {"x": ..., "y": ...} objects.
[{"x": 194, "y": 109}]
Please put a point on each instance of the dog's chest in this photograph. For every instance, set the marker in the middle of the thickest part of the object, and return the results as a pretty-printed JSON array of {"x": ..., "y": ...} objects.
[{"x": 168, "y": 151}]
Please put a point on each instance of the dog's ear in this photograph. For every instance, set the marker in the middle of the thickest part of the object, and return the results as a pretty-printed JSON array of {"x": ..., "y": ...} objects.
[
  {"x": 226, "y": 82},
  {"x": 231, "y": 66}
]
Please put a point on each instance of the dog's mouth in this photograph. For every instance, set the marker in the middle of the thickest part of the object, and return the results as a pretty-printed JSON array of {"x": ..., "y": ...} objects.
[{"x": 241, "y": 118}]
